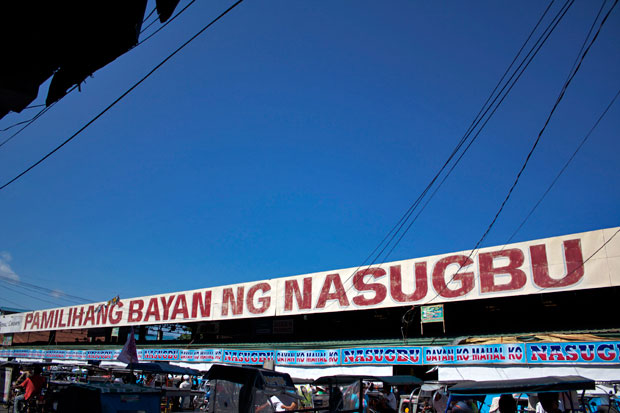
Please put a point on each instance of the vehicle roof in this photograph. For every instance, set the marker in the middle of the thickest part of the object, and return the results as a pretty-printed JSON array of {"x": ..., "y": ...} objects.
[
  {"x": 348, "y": 379},
  {"x": 531, "y": 385}
]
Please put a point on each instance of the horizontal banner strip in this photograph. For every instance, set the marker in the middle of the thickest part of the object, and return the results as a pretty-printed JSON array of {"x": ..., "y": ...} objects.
[{"x": 603, "y": 352}]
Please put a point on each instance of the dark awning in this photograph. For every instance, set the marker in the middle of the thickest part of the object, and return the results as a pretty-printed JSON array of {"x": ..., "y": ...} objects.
[
  {"x": 537, "y": 385},
  {"x": 252, "y": 376},
  {"x": 348, "y": 379},
  {"x": 162, "y": 368}
]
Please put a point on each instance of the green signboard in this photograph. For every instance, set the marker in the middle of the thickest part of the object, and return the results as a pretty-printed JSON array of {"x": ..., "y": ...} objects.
[{"x": 432, "y": 313}]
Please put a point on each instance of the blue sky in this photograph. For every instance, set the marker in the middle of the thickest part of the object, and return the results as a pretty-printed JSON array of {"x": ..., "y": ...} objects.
[{"x": 291, "y": 137}]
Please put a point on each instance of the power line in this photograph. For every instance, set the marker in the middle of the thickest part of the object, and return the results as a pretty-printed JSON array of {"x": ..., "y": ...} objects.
[
  {"x": 12, "y": 302},
  {"x": 90, "y": 122},
  {"x": 170, "y": 20},
  {"x": 37, "y": 288},
  {"x": 150, "y": 14},
  {"x": 476, "y": 121},
  {"x": 400, "y": 224},
  {"x": 555, "y": 106},
  {"x": 583, "y": 141},
  {"x": 531, "y": 55},
  {"x": 567, "y": 82},
  {"x": 28, "y": 295},
  {"x": 33, "y": 119}
]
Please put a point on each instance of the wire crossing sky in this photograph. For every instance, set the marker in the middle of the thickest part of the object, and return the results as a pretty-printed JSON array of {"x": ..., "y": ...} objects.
[{"x": 290, "y": 138}]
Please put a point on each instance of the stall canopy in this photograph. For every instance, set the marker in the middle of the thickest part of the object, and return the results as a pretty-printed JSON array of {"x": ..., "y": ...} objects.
[
  {"x": 348, "y": 379},
  {"x": 251, "y": 376},
  {"x": 162, "y": 368},
  {"x": 538, "y": 385}
]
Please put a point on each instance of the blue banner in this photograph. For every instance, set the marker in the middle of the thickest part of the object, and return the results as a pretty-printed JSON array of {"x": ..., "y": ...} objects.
[
  {"x": 603, "y": 352},
  {"x": 308, "y": 357},
  {"x": 253, "y": 357},
  {"x": 475, "y": 354},
  {"x": 381, "y": 355}
]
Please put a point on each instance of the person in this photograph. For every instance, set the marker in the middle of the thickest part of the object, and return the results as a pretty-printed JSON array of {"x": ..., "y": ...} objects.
[
  {"x": 549, "y": 403},
  {"x": 390, "y": 398},
  {"x": 22, "y": 377},
  {"x": 185, "y": 385},
  {"x": 440, "y": 402},
  {"x": 507, "y": 404},
  {"x": 462, "y": 407},
  {"x": 277, "y": 405},
  {"x": 336, "y": 399},
  {"x": 33, "y": 385}
]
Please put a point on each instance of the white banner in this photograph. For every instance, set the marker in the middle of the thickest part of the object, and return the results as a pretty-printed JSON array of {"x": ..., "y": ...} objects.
[{"x": 565, "y": 263}]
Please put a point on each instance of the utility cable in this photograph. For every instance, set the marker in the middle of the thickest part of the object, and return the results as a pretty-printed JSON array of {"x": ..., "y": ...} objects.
[
  {"x": 12, "y": 302},
  {"x": 533, "y": 148},
  {"x": 170, "y": 20},
  {"x": 529, "y": 155},
  {"x": 528, "y": 58},
  {"x": 34, "y": 287},
  {"x": 90, "y": 122},
  {"x": 31, "y": 296},
  {"x": 399, "y": 225},
  {"x": 478, "y": 118},
  {"x": 583, "y": 141}
]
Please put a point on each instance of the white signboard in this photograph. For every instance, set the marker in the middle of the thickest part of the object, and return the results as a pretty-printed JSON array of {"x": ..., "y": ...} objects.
[{"x": 565, "y": 263}]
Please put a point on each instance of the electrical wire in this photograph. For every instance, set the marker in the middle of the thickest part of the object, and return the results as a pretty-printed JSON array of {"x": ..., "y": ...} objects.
[
  {"x": 541, "y": 132},
  {"x": 149, "y": 15},
  {"x": 12, "y": 302},
  {"x": 33, "y": 119},
  {"x": 522, "y": 67},
  {"x": 477, "y": 119},
  {"x": 149, "y": 25},
  {"x": 405, "y": 322},
  {"x": 90, "y": 122},
  {"x": 170, "y": 20},
  {"x": 47, "y": 291},
  {"x": 524, "y": 165},
  {"x": 583, "y": 141},
  {"x": 28, "y": 295}
]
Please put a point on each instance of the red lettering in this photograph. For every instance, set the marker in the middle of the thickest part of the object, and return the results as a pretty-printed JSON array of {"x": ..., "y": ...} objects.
[
  {"x": 152, "y": 309},
  {"x": 28, "y": 320},
  {"x": 396, "y": 284},
  {"x": 35, "y": 321},
  {"x": 116, "y": 317},
  {"x": 380, "y": 292},
  {"x": 488, "y": 271},
  {"x": 465, "y": 278},
  {"x": 47, "y": 319},
  {"x": 264, "y": 302},
  {"x": 135, "y": 311},
  {"x": 340, "y": 294},
  {"x": 292, "y": 288},
  {"x": 573, "y": 258},
  {"x": 90, "y": 315},
  {"x": 606, "y": 352},
  {"x": 56, "y": 320},
  {"x": 77, "y": 316},
  {"x": 60, "y": 323},
  {"x": 228, "y": 298},
  {"x": 180, "y": 307},
  {"x": 166, "y": 305},
  {"x": 205, "y": 307}
]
